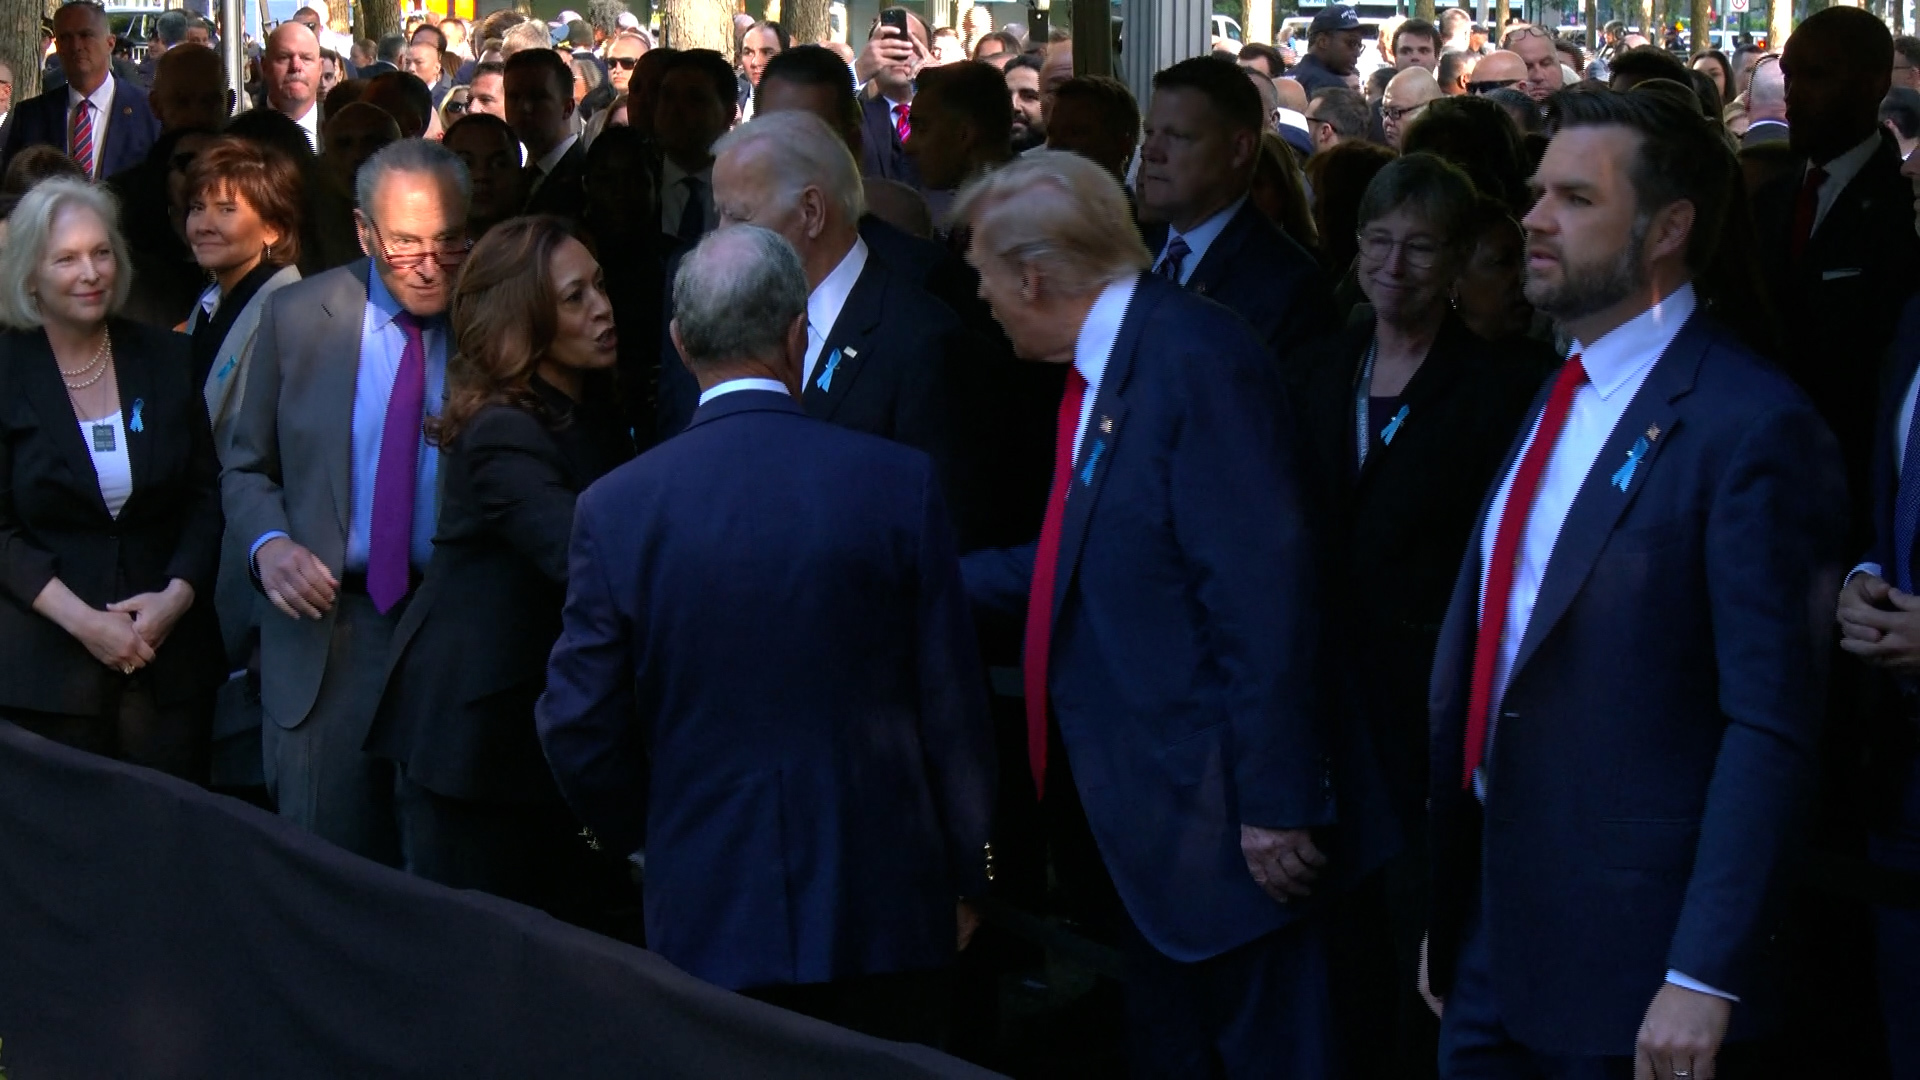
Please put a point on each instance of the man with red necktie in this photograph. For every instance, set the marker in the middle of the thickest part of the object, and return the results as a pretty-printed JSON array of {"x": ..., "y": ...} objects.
[
  {"x": 1629, "y": 683},
  {"x": 332, "y": 485},
  {"x": 1174, "y": 735},
  {"x": 102, "y": 122}
]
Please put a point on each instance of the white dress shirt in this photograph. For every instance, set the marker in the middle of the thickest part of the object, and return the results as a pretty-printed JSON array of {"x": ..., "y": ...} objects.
[
  {"x": 309, "y": 122},
  {"x": 673, "y": 195},
  {"x": 732, "y": 385},
  {"x": 106, "y": 440},
  {"x": 1094, "y": 347},
  {"x": 1840, "y": 172},
  {"x": 825, "y": 302},
  {"x": 1199, "y": 239},
  {"x": 102, "y": 98},
  {"x": 1617, "y": 366},
  {"x": 544, "y": 167}
]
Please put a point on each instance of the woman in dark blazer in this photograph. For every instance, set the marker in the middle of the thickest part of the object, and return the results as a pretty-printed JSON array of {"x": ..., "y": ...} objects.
[
  {"x": 1407, "y": 418},
  {"x": 530, "y": 421},
  {"x": 109, "y": 500}
]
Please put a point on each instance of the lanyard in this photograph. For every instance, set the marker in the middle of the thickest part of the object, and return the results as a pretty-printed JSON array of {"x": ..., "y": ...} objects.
[{"x": 1362, "y": 419}]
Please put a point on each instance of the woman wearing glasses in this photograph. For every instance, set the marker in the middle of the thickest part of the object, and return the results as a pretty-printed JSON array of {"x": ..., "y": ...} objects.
[
  {"x": 1407, "y": 417},
  {"x": 529, "y": 422}
]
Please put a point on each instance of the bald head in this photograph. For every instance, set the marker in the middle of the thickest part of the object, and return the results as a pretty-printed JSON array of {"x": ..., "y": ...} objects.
[
  {"x": 1500, "y": 66},
  {"x": 1408, "y": 94},
  {"x": 1838, "y": 66},
  {"x": 1767, "y": 95},
  {"x": 1292, "y": 94},
  {"x": 290, "y": 68},
  {"x": 189, "y": 89}
]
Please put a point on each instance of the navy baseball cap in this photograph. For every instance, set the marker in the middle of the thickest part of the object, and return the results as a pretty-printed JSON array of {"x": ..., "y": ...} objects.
[{"x": 1334, "y": 18}]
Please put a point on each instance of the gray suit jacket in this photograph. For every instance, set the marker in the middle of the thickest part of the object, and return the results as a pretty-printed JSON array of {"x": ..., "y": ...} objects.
[{"x": 288, "y": 466}]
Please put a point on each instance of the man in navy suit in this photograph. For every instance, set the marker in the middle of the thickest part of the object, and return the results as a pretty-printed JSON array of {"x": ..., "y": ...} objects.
[
  {"x": 1196, "y": 170},
  {"x": 886, "y": 118},
  {"x": 766, "y": 677},
  {"x": 1629, "y": 683},
  {"x": 101, "y": 121},
  {"x": 1169, "y": 657}
]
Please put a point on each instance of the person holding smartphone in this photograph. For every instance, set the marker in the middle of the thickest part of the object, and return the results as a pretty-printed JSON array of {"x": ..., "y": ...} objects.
[{"x": 896, "y": 50}]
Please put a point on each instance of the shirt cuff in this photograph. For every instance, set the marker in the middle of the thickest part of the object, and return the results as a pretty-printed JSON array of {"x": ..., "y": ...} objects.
[
  {"x": 275, "y": 534},
  {"x": 1686, "y": 983},
  {"x": 1864, "y": 568}
]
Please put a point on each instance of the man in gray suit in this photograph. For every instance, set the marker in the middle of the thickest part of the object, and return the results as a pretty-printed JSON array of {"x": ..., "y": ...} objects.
[{"x": 332, "y": 486}]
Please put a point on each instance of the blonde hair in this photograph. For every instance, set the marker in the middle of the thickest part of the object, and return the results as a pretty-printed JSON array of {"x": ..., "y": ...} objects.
[
  {"x": 30, "y": 230},
  {"x": 1058, "y": 212}
]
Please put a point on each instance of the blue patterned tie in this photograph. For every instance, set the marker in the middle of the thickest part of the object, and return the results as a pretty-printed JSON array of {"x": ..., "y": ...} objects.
[
  {"x": 1906, "y": 507},
  {"x": 1176, "y": 257}
]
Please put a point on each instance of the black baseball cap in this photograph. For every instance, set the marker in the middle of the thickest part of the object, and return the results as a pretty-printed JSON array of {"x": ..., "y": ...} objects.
[{"x": 1333, "y": 19}]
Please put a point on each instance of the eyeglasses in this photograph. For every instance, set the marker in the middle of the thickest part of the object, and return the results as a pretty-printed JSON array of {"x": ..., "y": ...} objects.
[
  {"x": 1419, "y": 252},
  {"x": 1525, "y": 31},
  {"x": 410, "y": 254},
  {"x": 624, "y": 63},
  {"x": 1397, "y": 113},
  {"x": 1490, "y": 85},
  {"x": 455, "y": 108}
]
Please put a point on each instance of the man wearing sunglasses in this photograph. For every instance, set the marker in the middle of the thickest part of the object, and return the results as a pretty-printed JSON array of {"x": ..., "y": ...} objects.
[
  {"x": 333, "y": 485},
  {"x": 622, "y": 57},
  {"x": 1497, "y": 71}
]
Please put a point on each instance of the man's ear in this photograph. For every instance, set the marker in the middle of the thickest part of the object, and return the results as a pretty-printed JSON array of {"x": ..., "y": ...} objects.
[{"x": 1670, "y": 231}]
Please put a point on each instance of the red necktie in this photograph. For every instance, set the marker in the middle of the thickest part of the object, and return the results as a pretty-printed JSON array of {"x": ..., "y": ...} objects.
[
  {"x": 1040, "y": 597},
  {"x": 80, "y": 137},
  {"x": 1506, "y": 555},
  {"x": 1807, "y": 209},
  {"x": 900, "y": 122}
]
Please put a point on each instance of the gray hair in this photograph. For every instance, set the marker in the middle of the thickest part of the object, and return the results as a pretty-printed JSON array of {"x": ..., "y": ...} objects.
[
  {"x": 1433, "y": 190},
  {"x": 1056, "y": 211},
  {"x": 737, "y": 295},
  {"x": 413, "y": 156},
  {"x": 803, "y": 152},
  {"x": 30, "y": 231},
  {"x": 171, "y": 27}
]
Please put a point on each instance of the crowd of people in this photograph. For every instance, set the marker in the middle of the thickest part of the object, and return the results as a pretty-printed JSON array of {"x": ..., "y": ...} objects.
[{"x": 1412, "y": 567}]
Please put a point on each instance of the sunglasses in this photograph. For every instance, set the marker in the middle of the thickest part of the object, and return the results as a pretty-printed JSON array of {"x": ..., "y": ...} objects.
[
  {"x": 1526, "y": 31},
  {"x": 624, "y": 63},
  {"x": 1490, "y": 85},
  {"x": 455, "y": 108}
]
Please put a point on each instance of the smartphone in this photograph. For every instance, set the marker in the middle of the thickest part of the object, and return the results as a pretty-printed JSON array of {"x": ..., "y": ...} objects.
[{"x": 896, "y": 18}]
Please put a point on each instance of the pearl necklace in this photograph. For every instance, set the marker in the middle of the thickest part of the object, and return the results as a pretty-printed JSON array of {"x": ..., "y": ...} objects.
[{"x": 98, "y": 361}]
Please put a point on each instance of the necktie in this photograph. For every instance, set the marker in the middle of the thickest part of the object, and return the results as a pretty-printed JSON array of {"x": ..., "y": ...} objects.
[
  {"x": 1906, "y": 508},
  {"x": 1506, "y": 553},
  {"x": 80, "y": 136},
  {"x": 901, "y": 124},
  {"x": 1175, "y": 260},
  {"x": 390, "y": 547},
  {"x": 1040, "y": 595},
  {"x": 1807, "y": 209},
  {"x": 693, "y": 216}
]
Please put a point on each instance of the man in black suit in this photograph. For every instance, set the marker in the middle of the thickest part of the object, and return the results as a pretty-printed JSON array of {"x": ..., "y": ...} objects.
[
  {"x": 539, "y": 87},
  {"x": 886, "y": 118},
  {"x": 1196, "y": 169},
  {"x": 696, "y": 105},
  {"x": 1835, "y": 237},
  {"x": 103, "y": 122}
]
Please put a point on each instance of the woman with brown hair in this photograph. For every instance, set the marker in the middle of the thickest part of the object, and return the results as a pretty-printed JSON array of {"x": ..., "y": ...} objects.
[{"x": 529, "y": 422}]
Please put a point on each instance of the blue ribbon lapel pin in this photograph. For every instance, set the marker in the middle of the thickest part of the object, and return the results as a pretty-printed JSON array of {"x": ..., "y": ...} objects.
[
  {"x": 825, "y": 382},
  {"x": 136, "y": 422},
  {"x": 1393, "y": 426},
  {"x": 1093, "y": 461},
  {"x": 1623, "y": 477}
]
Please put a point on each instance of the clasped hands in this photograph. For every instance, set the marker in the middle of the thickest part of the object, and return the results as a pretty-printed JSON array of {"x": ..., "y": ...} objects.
[
  {"x": 1880, "y": 624},
  {"x": 1283, "y": 862}
]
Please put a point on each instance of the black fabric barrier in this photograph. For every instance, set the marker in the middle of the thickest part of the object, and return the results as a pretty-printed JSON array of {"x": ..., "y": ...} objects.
[{"x": 150, "y": 929}]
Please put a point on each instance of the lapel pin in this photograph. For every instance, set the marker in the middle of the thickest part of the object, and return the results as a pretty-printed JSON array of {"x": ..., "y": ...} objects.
[
  {"x": 1653, "y": 433},
  {"x": 1093, "y": 460},
  {"x": 1625, "y": 476},
  {"x": 226, "y": 369},
  {"x": 1393, "y": 426},
  {"x": 137, "y": 423},
  {"x": 1106, "y": 425},
  {"x": 825, "y": 382}
]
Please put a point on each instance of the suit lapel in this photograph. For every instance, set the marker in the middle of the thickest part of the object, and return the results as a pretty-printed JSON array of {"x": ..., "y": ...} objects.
[
  {"x": 136, "y": 390},
  {"x": 1104, "y": 427},
  {"x": 337, "y": 373},
  {"x": 119, "y": 129},
  {"x": 845, "y": 352},
  {"x": 1630, "y": 454},
  {"x": 1220, "y": 254},
  {"x": 42, "y": 379}
]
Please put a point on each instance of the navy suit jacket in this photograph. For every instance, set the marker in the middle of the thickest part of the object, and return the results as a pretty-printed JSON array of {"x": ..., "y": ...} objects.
[
  {"x": 766, "y": 674},
  {"x": 1902, "y": 361},
  {"x": 42, "y": 121},
  {"x": 881, "y": 152},
  {"x": 1651, "y": 769},
  {"x": 1182, "y": 666},
  {"x": 1264, "y": 277}
]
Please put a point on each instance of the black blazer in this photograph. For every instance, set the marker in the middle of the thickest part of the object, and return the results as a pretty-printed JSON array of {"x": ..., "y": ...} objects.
[
  {"x": 563, "y": 193},
  {"x": 469, "y": 657},
  {"x": 53, "y": 522},
  {"x": 1264, "y": 277},
  {"x": 881, "y": 153},
  {"x": 1396, "y": 530}
]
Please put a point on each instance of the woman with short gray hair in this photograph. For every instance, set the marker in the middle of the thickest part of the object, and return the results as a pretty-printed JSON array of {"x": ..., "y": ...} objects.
[{"x": 109, "y": 500}]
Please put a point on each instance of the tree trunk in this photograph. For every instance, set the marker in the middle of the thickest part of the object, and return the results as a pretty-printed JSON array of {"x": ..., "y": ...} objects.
[
  {"x": 699, "y": 24},
  {"x": 378, "y": 18},
  {"x": 1423, "y": 9},
  {"x": 805, "y": 20},
  {"x": 1780, "y": 24},
  {"x": 1092, "y": 26},
  {"x": 20, "y": 47},
  {"x": 1700, "y": 25},
  {"x": 1594, "y": 36},
  {"x": 1259, "y": 24}
]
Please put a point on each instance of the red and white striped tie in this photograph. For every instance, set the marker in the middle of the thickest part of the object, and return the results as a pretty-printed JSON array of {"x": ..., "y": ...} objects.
[{"x": 80, "y": 136}]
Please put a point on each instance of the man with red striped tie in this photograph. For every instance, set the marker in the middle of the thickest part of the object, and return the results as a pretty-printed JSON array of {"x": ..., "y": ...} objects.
[
  {"x": 1192, "y": 792},
  {"x": 1629, "y": 683},
  {"x": 104, "y": 124}
]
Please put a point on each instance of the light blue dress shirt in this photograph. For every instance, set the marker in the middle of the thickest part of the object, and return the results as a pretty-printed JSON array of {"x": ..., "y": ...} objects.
[{"x": 1199, "y": 239}]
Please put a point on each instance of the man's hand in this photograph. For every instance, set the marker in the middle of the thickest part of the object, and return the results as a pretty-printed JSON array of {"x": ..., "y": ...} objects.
[
  {"x": 969, "y": 921},
  {"x": 1437, "y": 1004},
  {"x": 1284, "y": 862},
  {"x": 1681, "y": 1035},
  {"x": 295, "y": 580},
  {"x": 1880, "y": 624},
  {"x": 886, "y": 48}
]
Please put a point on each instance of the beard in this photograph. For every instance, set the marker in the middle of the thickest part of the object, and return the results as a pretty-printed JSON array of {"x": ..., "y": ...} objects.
[
  {"x": 1026, "y": 138},
  {"x": 1587, "y": 288}
]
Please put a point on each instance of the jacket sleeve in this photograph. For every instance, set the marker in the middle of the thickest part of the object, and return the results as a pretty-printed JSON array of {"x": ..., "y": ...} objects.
[
  {"x": 196, "y": 559},
  {"x": 250, "y": 485},
  {"x": 1774, "y": 535},
  {"x": 998, "y": 580},
  {"x": 585, "y": 718},
  {"x": 522, "y": 490},
  {"x": 1237, "y": 508},
  {"x": 956, "y": 733},
  {"x": 25, "y": 567}
]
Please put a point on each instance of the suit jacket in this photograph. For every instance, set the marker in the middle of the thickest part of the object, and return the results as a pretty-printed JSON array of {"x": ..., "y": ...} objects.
[
  {"x": 470, "y": 653},
  {"x": 766, "y": 675},
  {"x": 1398, "y": 526},
  {"x": 288, "y": 465},
  {"x": 563, "y": 192},
  {"x": 1841, "y": 299},
  {"x": 881, "y": 153},
  {"x": 53, "y": 522},
  {"x": 42, "y": 121},
  {"x": 1264, "y": 277},
  {"x": 1651, "y": 769},
  {"x": 1182, "y": 663}
]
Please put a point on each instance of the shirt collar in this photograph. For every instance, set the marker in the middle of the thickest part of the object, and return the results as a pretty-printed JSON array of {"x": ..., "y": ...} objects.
[
  {"x": 102, "y": 96},
  {"x": 1202, "y": 236},
  {"x": 671, "y": 175},
  {"x": 1841, "y": 170},
  {"x": 210, "y": 300},
  {"x": 385, "y": 307},
  {"x": 1621, "y": 353},
  {"x": 1094, "y": 347},
  {"x": 734, "y": 385},
  {"x": 546, "y": 164},
  {"x": 823, "y": 306}
]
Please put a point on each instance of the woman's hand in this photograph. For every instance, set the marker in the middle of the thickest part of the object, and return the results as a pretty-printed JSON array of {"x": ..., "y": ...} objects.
[
  {"x": 111, "y": 638},
  {"x": 154, "y": 614}
]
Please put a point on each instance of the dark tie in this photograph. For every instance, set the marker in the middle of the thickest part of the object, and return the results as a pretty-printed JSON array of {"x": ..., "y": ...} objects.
[
  {"x": 1506, "y": 553},
  {"x": 1906, "y": 508},
  {"x": 1175, "y": 259},
  {"x": 1046, "y": 560},
  {"x": 390, "y": 545},
  {"x": 1807, "y": 209},
  {"x": 693, "y": 216}
]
